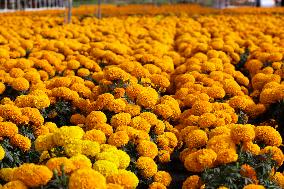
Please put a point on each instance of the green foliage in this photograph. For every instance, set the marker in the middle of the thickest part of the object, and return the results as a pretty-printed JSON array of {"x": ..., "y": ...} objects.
[
  {"x": 242, "y": 117},
  {"x": 57, "y": 152},
  {"x": 12, "y": 93},
  {"x": 14, "y": 156},
  {"x": 229, "y": 174},
  {"x": 59, "y": 113},
  {"x": 58, "y": 181},
  {"x": 243, "y": 59}
]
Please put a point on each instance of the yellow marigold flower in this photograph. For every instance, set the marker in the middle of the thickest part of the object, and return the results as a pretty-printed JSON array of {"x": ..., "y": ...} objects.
[
  {"x": 227, "y": 156},
  {"x": 73, "y": 64},
  {"x": 105, "y": 167},
  {"x": 20, "y": 84},
  {"x": 200, "y": 160},
  {"x": 44, "y": 142},
  {"x": 149, "y": 117},
  {"x": 114, "y": 186},
  {"x": 164, "y": 110},
  {"x": 67, "y": 134},
  {"x": 2, "y": 88},
  {"x": 2, "y": 152},
  {"x": 116, "y": 105},
  {"x": 254, "y": 186},
  {"x": 148, "y": 97},
  {"x": 278, "y": 178},
  {"x": 115, "y": 73},
  {"x": 206, "y": 120},
  {"x": 83, "y": 72},
  {"x": 107, "y": 147},
  {"x": 105, "y": 128},
  {"x": 95, "y": 118},
  {"x": 73, "y": 148},
  {"x": 140, "y": 123},
  {"x": 132, "y": 109},
  {"x": 163, "y": 177},
  {"x": 157, "y": 185},
  {"x": 57, "y": 162},
  {"x": 276, "y": 152},
  {"x": 6, "y": 174},
  {"x": 77, "y": 119},
  {"x": 251, "y": 147},
  {"x": 268, "y": 135},
  {"x": 124, "y": 178},
  {"x": 81, "y": 161},
  {"x": 87, "y": 179},
  {"x": 192, "y": 182},
  {"x": 33, "y": 175},
  {"x": 232, "y": 88},
  {"x": 8, "y": 129},
  {"x": 95, "y": 135},
  {"x": 120, "y": 119},
  {"x": 124, "y": 159},
  {"x": 118, "y": 139},
  {"x": 242, "y": 133},
  {"x": 147, "y": 166},
  {"x": 109, "y": 156},
  {"x": 90, "y": 148},
  {"x": 201, "y": 107},
  {"x": 23, "y": 142},
  {"x": 147, "y": 149},
  {"x": 16, "y": 184},
  {"x": 196, "y": 139},
  {"x": 160, "y": 80},
  {"x": 164, "y": 156}
]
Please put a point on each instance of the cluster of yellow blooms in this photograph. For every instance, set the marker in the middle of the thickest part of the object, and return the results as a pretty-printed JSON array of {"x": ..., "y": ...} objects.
[{"x": 115, "y": 100}]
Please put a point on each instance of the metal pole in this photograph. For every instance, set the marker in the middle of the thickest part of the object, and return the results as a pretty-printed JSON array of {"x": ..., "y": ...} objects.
[
  {"x": 69, "y": 11},
  {"x": 99, "y": 12},
  {"x": 6, "y": 4}
]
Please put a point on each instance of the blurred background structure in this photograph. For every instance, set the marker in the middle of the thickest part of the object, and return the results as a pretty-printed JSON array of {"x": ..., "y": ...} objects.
[{"x": 12, "y": 5}]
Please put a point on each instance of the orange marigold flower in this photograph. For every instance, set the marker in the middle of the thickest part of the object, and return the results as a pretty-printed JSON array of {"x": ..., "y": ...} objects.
[
  {"x": 124, "y": 178},
  {"x": 2, "y": 88},
  {"x": 243, "y": 133},
  {"x": 20, "y": 84},
  {"x": 278, "y": 178},
  {"x": 268, "y": 135},
  {"x": 276, "y": 153},
  {"x": 249, "y": 172},
  {"x": 33, "y": 175},
  {"x": 140, "y": 123},
  {"x": 157, "y": 185},
  {"x": 201, "y": 107},
  {"x": 163, "y": 177},
  {"x": 16, "y": 184},
  {"x": 23, "y": 142},
  {"x": 196, "y": 139},
  {"x": 95, "y": 118},
  {"x": 148, "y": 97},
  {"x": 147, "y": 166},
  {"x": 192, "y": 182},
  {"x": 8, "y": 129},
  {"x": 147, "y": 149},
  {"x": 118, "y": 139},
  {"x": 254, "y": 186},
  {"x": 57, "y": 162},
  {"x": 95, "y": 135}
]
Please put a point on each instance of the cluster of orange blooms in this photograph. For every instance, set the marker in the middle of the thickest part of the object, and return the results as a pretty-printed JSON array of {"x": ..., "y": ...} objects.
[{"x": 138, "y": 91}]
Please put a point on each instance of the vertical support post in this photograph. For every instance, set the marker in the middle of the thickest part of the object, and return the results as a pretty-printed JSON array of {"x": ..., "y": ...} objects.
[
  {"x": 99, "y": 13},
  {"x": 6, "y": 4},
  {"x": 18, "y": 4},
  {"x": 69, "y": 11}
]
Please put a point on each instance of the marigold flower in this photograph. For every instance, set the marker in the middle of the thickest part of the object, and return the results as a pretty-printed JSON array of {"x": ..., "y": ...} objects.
[
  {"x": 196, "y": 139},
  {"x": 77, "y": 119},
  {"x": 157, "y": 185},
  {"x": 243, "y": 133},
  {"x": 192, "y": 182},
  {"x": 140, "y": 123},
  {"x": 90, "y": 148},
  {"x": 147, "y": 166},
  {"x": 23, "y": 142},
  {"x": 254, "y": 186},
  {"x": 200, "y": 160},
  {"x": 8, "y": 129},
  {"x": 227, "y": 156},
  {"x": 249, "y": 172},
  {"x": 163, "y": 177},
  {"x": 73, "y": 64},
  {"x": 159, "y": 127},
  {"x": 16, "y": 184},
  {"x": 160, "y": 80},
  {"x": 75, "y": 147},
  {"x": 201, "y": 107},
  {"x": 95, "y": 118},
  {"x": 32, "y": 175},
  {"x": 132, "y": 109},
  {"x": 124, "y": 159},
  {"x": 147, "y": 149},
  {"x": 105, "y": 167},
  {"x": 105, "y": 128},
  {"x": 164, "y": 110},
  {"x": 109, "y": 156},
  {"x": 115, "y": 73},
  {"x": 118, "y": 139},
  {"x": 87, "y": 179},
  {"x": 276, "y": 153},
  {"x": 2, "y": 153},
  {"x": 66, "y": 134},
  {"x": 120, "y": 119},
  {"x": 116, "y": 105},
  {"x": 20, "y": 84},
  {"x": 124, "y": 178},
  {"x": 164, "y": 156},
  {"x": 81, "y": 161},
  {"x": 95, "y": 135},
  {"x": 148, "y": 97},
  {"x": 57, "y": 162},
  {"x": 2, "y": 88},
  {"x": 278, "y": 178},
  {"x": 251, "y": 147},
  {"x": 268, "y": 135},
  {"x": 114, "y": 186}
]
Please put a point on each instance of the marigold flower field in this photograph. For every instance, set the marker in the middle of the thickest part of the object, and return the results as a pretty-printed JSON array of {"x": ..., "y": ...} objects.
[{"x": 175, "y": 100}]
